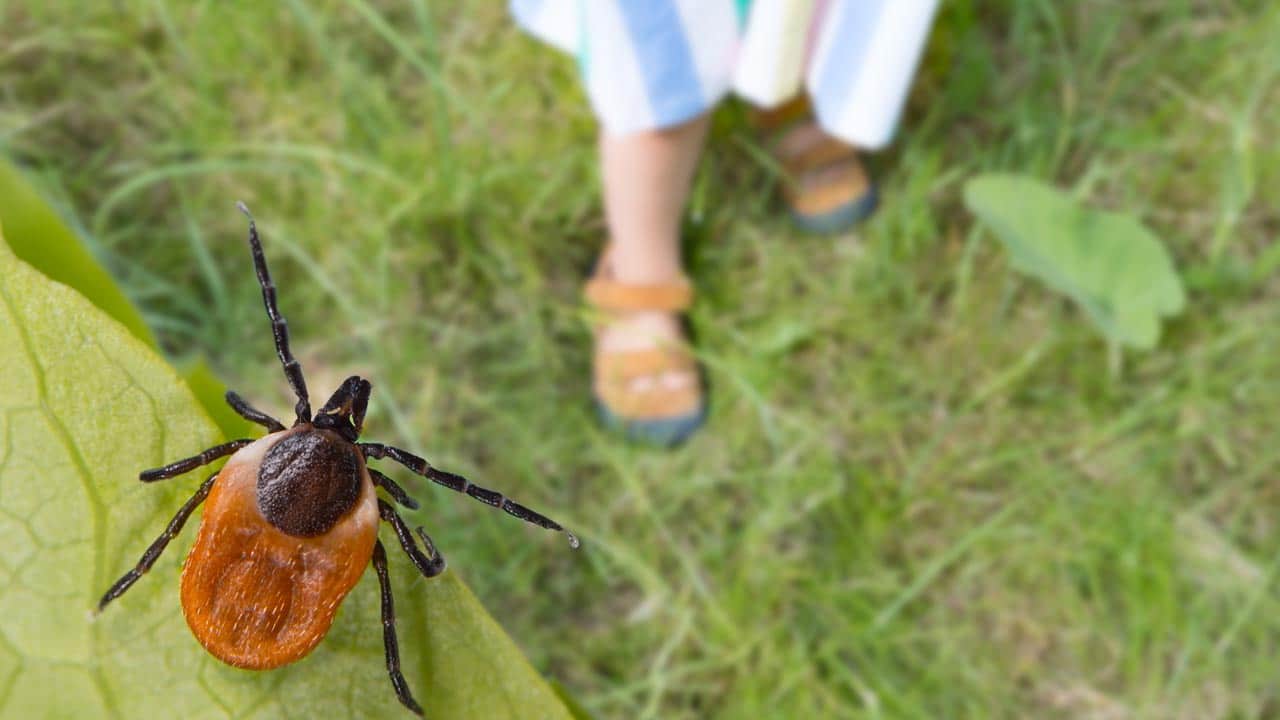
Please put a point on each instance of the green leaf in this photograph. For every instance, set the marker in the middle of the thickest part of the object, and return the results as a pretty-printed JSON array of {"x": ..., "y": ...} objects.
[
  {"x": 39, "y": 237},
  {"x": 84, "y": 405},
  {"x": 1108, "y": 262}
]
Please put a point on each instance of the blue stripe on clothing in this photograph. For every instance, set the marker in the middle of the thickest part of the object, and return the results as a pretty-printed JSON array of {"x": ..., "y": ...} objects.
[
  {"x": 845, "y": 55},
  {"x": 665, "y": 59}
]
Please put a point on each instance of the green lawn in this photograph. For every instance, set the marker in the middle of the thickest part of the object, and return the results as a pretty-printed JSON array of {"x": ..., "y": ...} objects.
[{"x": 921, "y": 494}]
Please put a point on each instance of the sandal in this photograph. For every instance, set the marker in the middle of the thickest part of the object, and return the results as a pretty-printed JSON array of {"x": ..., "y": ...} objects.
[
  {"x": 657, "y": 414},
  {"x": 827, "y": 189}
]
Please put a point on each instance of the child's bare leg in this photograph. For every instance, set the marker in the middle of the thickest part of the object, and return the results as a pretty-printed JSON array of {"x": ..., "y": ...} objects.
[
  {"x": 646, "y": 183},
  {"x": 647, "y": 177}
]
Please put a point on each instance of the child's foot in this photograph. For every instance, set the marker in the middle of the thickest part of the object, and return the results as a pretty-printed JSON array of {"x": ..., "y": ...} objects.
[
  {"x": 646, "y": 382},
  {"x": 827, "y": 189}
]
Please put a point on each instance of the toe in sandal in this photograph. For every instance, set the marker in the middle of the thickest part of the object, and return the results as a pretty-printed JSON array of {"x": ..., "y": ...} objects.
[{"x": 657, "y": 415}]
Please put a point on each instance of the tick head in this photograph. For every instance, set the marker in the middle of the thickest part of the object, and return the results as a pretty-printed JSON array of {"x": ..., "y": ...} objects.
[{"x": 344, "y": 413}]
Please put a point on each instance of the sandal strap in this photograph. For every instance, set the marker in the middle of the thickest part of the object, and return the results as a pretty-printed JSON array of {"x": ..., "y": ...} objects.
[
  {"x": 825, "y": 151},
  {"x": 626, "y": 365},
  {"x": 612, "y": 295},
  {"x": 616, "y": 370},
  {"x": 778, "y": 123},
  {"x": 779, "y": 118},
  {"x": 656, "y": 405},
  {"x": 837, "y": 185}
]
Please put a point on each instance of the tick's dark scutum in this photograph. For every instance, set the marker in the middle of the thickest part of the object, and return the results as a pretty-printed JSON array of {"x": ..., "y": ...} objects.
[{"x": 308, "y": 481}]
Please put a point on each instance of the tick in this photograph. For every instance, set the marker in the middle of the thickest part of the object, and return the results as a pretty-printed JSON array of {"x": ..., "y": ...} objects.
[{"x": 291, "y": 522}]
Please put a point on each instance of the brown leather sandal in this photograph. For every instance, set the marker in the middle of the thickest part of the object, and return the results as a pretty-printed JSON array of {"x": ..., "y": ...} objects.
[
  {"x": 827, "y": 188},
  {"x": 658, "y": 415}
]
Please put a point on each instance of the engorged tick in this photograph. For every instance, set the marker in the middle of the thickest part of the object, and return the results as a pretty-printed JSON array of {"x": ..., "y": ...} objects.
[{"x": 291, "y": 523}]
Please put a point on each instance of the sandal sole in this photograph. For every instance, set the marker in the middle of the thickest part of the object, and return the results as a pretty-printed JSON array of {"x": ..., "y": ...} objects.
[
  {"x": 664, "y": 432},
  {"x": 841, "y": 218}
]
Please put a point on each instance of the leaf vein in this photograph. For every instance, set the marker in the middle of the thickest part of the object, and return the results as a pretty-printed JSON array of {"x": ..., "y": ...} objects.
[{"x": 82, "y": 470}]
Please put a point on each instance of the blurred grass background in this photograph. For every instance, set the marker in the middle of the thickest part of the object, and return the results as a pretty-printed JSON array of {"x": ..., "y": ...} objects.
[{"x": 921, "y": 492}]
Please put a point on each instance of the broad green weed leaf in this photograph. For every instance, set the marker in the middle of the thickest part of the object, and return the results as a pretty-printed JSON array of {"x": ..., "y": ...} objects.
[
  {"x": 84, "y": 405},
  {"x": 1115, "y": 268},
  {"x": 39, "y": 237}
]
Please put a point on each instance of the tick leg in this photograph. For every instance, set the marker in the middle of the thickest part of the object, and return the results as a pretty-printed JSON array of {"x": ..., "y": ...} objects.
[
  {"x": 431, "y": 563},
  {"x": 279, "y": 328},
  {"x": 389, "y": 631},
  {"x": 153, "y": 553},
  {"x": 460, "y": 484},
  {"x": 396, "y": 492},
  {"x": 174, "y": 469},
  {"x": 252, "y": 414}
]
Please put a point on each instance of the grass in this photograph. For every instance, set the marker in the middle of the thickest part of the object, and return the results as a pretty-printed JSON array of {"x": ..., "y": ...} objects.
[{"x": 921, "y": 492}]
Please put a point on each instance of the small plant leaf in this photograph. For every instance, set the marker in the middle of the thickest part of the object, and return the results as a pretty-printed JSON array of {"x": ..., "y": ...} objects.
[
  {"x": 84, "y": 405},
  {"x": 40, "y": 238},
  {"x": 1108, "y": 262}
]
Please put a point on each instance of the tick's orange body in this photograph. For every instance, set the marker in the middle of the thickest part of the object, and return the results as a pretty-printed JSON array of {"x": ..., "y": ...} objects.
[{"x": 256, "y": 597}]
